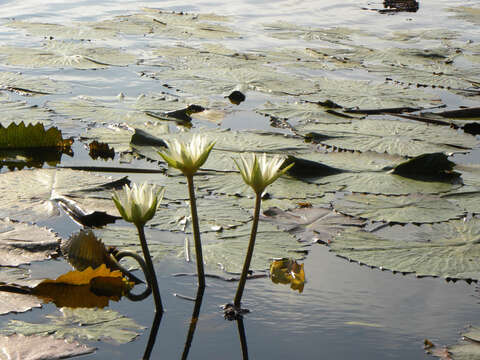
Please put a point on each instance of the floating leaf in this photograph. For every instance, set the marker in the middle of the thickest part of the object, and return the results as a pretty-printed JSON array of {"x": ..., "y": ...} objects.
[
  {"x": 73, "y": 31},
  {"x": 87, "y": 288},
  {"x": 60, "y": 54},
  {"x": 446, "y": 249},
  {"x": 40, "y": 348},
  {"x": 26, "y": 85},
  {"x": 226, "y": 250},
  {"x": 36, "y": 190},
  {"x": 286, "y": 31},
  {"x": 17, "y": 303},
  {"x": 288, "y": 271},
  {"x": 23, "y": 136},
  {"x": 470, "y": 14},
  {"x": 369, "y": 95},
  {"x": 89, "y": 324},
  {"x": 304, "y": 112},
  {"x": 22, "y": 243},
  {"x": 100, "y": 150},
  {"x": 468, "y": 200},
  {"x": 20, "y": 111},
  {"x": 468, "y": 349},
  {"x": 311, "y": 224},
  {"x": 399, "y": 209},
  {"x": 393, "y": 137}
]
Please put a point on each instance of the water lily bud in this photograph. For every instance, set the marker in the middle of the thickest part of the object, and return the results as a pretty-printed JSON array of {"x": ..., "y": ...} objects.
[
  {"x": 188, "y": 157},
  {"x": 138, "y": 204}
]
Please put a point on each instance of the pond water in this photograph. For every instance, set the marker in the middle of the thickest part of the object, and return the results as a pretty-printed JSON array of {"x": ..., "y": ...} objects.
[{"x": 346, "y": 311}]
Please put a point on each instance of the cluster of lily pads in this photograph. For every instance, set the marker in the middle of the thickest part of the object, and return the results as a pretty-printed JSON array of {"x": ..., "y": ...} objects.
[{"x": 367, "y": 171}]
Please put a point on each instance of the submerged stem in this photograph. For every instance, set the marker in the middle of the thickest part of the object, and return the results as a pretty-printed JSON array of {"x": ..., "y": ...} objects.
[
  {"x": 196, "y": 232},
  {"x": 248, "y": 257},
  {"x": 151, "y": 277}
]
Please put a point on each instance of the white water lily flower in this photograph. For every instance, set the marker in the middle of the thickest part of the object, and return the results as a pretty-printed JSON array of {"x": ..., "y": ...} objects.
[
  {"x": 138, "y": 204},
  {"x": 259, "y": 172},
  {"x": 188, "y": 156}
]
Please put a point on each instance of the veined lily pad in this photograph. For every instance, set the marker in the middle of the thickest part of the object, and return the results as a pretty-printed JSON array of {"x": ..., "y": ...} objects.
[
  {"x": 72, "y": 32},
  {"x": 27, "y": 85},
  {"x": 392, "y": 137},
  {"x": 65, "y": 54},
  {"x": 399, "y": 209},
  {"x": 40, "y": 347},
  {"x": 312, "y": 224},
  {"x": 423, "y": 34},
  {"x": 35, "y": 191},
  {"x": 17, "y": 303},
  {"x": 305, "y": 112},
  {"x": 170, "y": 24},
  {"x": 468, "y": 349},
  {"x": 90, "y": 324},
  {"x": 227, "y": 249},
  {"x": 446, "y": 249},
  {"x": 22, "y": 243},
  {"x": 369, "y": 95},
  {"x": 19, "y": 111},
  {"x": 468, "y": 200}
]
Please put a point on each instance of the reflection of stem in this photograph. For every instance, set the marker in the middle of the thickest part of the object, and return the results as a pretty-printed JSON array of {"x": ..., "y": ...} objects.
[
  {"x": 243, "y": 338},
  {"x": 248, "y": 257},
  {"x": 196, "y": 232},
  {"x": 151, "y": 277},
  {"x": 193, "y": 322},
  {"x": 153, "y": 335}
]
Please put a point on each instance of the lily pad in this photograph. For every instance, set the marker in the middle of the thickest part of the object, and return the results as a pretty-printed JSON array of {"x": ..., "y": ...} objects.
[
  {"x": 470, "y": 14},
  {"x": 89, "y": 324},
  {"x": 22, "y": 243},
  {"x": 369, "y": 95},
  {"x": 170, "y": 24},
  {"x": 26, "y": 85},
  {"x": 413, "y": 208},
  {"x": 226, "y": 250},
  {"x": 469, "y": 349},
  {"x": 40, "y": 348},
  {"x": 20, "y": 111},
  {"x": 392, "y": 137},
  {"x": 468, "y": 200},
  {"x": 73, "y": 31},
  {"x": 35, "y": 191},
  {"x": 305, "y": 112},
  {"x": 21, "y": 136},
  {"x": 17, "y": 303},
  {"x": 59, "y": 54},
  {"x": 446, "y": 249},
  {"x": 312, "y": 224}
]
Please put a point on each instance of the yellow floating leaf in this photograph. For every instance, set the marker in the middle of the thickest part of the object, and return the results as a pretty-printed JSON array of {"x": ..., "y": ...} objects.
[
  {"x": 288, "y": 271},
  {"x": 84, "y": 277}
]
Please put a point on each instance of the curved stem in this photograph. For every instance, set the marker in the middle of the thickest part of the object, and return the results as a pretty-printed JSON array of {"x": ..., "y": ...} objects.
[
  {"x": 248, "y": 257},
  {"x": 196, "y": 232},
  {"x": 143, "y": 265},
  {"x": 151, "y": 277}
]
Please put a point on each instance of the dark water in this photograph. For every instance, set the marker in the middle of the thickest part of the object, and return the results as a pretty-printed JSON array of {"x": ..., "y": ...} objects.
[{"x": 346, "y": 311}]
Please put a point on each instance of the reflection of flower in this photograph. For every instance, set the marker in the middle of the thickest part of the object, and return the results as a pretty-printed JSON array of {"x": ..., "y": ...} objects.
[
  {"x": 288, "y": 271},
  {"x": 137, "y": 204},
  {"x": 259, "y": 172},
  {"x": 188, "y": 157}
]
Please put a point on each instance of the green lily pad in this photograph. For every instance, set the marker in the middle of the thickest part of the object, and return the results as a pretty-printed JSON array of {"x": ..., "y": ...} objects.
[
  {"x": 415, "y": 35},
  {"x": 305, "y": 112},
  {"x": 88, "y": 324},
  {"x": 392, "y": 137},
  {"x": 27, "y": 85},
  {"x": 313, "y": 224},
  {"x": 20, "y": 111},
  {"x": 41, "y": 347},
  {"x": 369, "y": 95},
  {"x": 59, "y": 54},
  {"x": 213, "y": 214},
  {"x": 19, "y": 136},
  {"x": 469, "y": 349},
  {"x": 36, "y": 190},
  {"x": 73, "y": 31},
  {"x": 468, "y": 200},
  {"x": 446, "y": 249},
  {"x": 22, "y": 243},
  {"x": 170, "y": 24},
  {"x": 226, "y": 250},
  {"x": 17, "y": 303},
  {"x": 413, "y": 208}
]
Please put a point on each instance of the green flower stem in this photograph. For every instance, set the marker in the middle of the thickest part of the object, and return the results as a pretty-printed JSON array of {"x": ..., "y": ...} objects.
[
  {"x": 248, "y": 257},
  {"x": 196, "y": 232},
  {"x": 151, "y": 277}
]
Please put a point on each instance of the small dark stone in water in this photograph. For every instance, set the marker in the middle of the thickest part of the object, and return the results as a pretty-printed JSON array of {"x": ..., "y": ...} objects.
[{"x": 236, "y": 97}]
